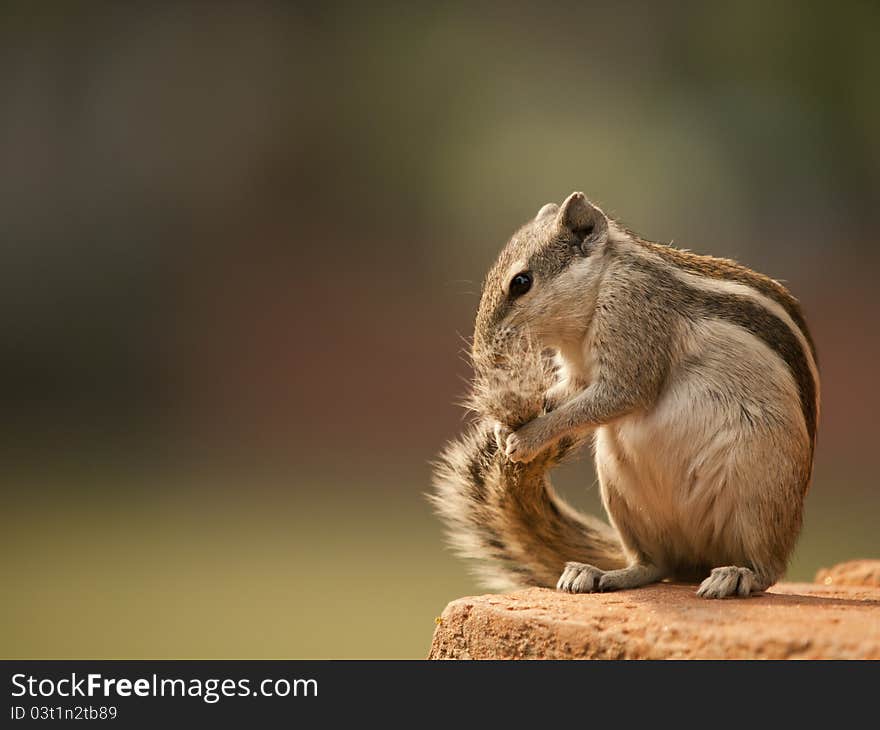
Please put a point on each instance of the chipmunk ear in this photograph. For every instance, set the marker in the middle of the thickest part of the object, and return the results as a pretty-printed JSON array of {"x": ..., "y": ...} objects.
[
  {"x": 580, "y": 219},
  {"x": 548, "y": 209}
]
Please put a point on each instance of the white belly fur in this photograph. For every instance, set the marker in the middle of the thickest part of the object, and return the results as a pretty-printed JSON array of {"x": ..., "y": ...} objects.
[{"x": 697, "y": 481}]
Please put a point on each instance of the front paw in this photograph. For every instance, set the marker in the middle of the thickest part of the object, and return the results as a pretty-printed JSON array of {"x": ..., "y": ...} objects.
[{"x": 524, "y": 444}]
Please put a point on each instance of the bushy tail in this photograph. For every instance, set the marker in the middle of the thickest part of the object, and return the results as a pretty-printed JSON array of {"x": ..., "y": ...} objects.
[{"x": 506, "y": 517}]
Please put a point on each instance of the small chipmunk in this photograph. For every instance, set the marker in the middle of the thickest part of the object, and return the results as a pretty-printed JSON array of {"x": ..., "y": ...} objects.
[{"x": 695, "y": 377}]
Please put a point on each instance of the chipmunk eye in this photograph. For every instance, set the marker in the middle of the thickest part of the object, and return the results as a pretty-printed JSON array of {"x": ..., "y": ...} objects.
[{"x": 520, "y": 284}]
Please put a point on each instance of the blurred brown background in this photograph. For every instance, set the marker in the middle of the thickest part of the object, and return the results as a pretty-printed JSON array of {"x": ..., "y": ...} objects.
[{"x": 241, "y": 243}]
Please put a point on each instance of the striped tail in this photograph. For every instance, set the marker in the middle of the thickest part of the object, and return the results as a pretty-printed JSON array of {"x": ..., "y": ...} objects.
[{"x": 504, "y": 517}]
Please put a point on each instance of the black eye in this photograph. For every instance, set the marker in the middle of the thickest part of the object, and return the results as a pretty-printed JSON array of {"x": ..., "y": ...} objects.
[{"x": 520, "y": 284}]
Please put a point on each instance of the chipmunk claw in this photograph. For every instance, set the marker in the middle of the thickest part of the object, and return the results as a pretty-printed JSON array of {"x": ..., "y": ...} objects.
[
  {"x": 501, "y": 433},
  {"x": 519, "y": 450},
  {"x": 730, "y": 581},
  {"x": 529, "y": 440},
  {"x": 580, "y": 578}
]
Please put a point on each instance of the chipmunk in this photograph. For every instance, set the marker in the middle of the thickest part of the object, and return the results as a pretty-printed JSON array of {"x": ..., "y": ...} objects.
[{"x": 696, "y": 379}]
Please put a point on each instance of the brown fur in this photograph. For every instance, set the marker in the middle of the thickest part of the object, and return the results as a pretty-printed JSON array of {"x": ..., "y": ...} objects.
[
  {"x": 717, "y": 268},
  {"x": 631, "y": 325}
]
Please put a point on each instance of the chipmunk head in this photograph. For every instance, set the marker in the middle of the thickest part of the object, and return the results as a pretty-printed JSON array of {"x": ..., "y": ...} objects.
[{"x": 542, "y": 278}]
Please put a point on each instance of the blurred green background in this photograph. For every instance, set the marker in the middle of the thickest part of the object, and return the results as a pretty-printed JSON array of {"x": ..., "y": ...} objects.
[{"x": 242, "y": 242}]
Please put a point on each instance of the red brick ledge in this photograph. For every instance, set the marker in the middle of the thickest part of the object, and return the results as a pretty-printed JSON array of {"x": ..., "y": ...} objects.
[{"x": 831, "y": 619}]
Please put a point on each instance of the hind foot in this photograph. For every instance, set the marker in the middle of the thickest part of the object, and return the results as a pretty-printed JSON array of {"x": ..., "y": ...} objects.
[
  {"x": 579, "y": 578},
  {"x": 731, "y": 581},
  {"x": 635, "y": 576},
  {"x": 583, "y": 578}
]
